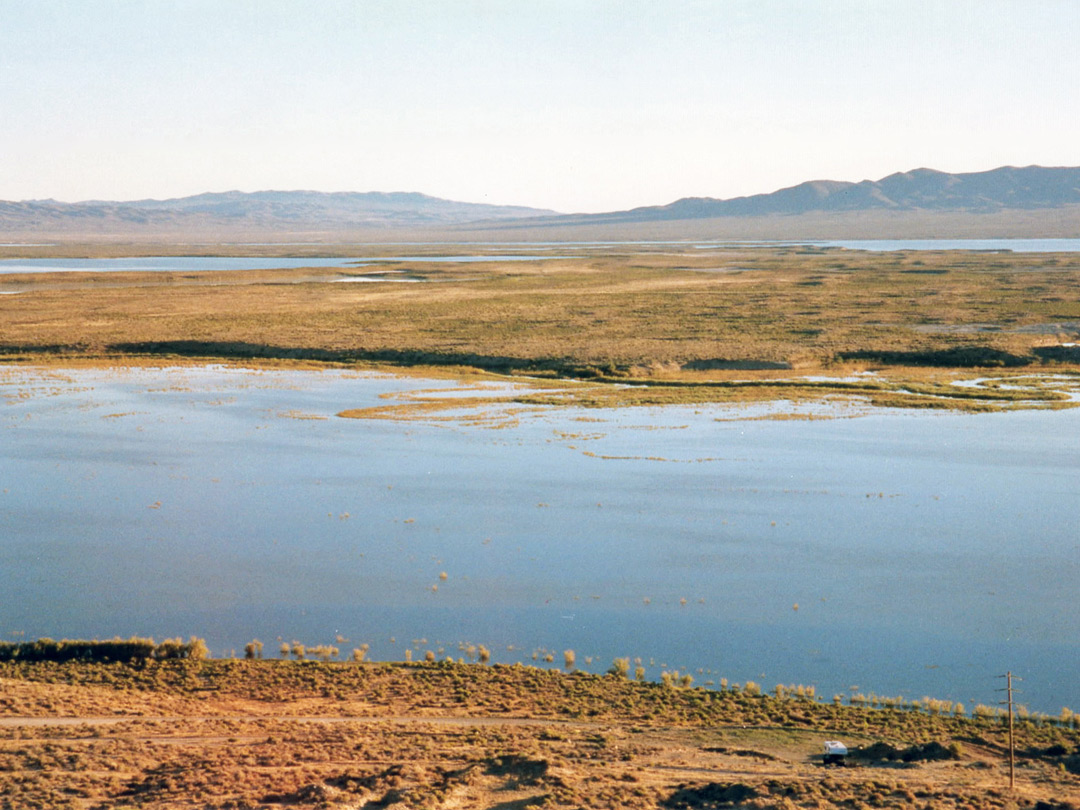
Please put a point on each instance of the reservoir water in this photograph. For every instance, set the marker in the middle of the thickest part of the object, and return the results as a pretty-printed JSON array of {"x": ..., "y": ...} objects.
[
  {"x": 175, "y": 264},
  {"x": 525, "y": 252},
  {"x": 1008, "y": 245},
  {"x": 197, "y": 264},
  {"x": 895, "y": 552}
]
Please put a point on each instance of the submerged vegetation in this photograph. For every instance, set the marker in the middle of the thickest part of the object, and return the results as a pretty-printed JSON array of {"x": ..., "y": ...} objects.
[{"x": 971, "y": 394}]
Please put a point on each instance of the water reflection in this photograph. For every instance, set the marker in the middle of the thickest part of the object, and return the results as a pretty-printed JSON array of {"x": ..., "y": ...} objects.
[{"x": 915, "y": 553}]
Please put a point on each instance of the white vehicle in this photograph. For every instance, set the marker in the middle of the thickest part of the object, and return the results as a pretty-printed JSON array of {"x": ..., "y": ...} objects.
[{"x": 834, "y": 752}]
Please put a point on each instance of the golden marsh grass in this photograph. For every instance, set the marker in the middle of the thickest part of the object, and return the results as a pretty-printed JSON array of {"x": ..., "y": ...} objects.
[{"x": 670, "y": 325}]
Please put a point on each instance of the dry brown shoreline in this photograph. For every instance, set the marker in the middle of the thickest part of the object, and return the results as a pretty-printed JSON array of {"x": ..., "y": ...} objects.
[{"x": 305, "y": 734}]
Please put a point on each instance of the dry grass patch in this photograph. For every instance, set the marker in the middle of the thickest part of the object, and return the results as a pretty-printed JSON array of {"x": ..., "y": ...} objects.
[{"x": 601, "y": 314}]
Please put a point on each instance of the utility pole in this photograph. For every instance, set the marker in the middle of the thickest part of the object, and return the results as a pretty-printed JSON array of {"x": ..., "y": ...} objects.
[{"x": 1008, "y": 676}]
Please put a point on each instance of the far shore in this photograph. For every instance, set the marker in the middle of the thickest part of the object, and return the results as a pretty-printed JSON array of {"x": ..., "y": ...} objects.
[{"x": 628, "y": 325}]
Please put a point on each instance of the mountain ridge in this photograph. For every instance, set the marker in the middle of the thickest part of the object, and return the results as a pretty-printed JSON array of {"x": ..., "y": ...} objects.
[
  {"x": 1035, "y": 199},
  {"x": 263, "y": 208},
  {"x": 1005, "y": 188}
]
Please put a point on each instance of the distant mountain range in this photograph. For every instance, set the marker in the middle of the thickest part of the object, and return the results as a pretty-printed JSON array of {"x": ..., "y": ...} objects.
[
  {"x": 1007, "y": 188},
  {"x": 1016, "y": 202},
  {"x": 262, "y": 209}
]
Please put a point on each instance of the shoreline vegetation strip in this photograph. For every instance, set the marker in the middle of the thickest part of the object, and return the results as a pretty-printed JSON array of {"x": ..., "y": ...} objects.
[
  {"x": 178, "y": 667},
  {"x": 969, "y": 390}
]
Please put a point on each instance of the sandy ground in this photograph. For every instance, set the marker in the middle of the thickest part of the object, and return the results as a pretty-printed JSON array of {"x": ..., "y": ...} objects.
[{"x": 73, "y": 745}]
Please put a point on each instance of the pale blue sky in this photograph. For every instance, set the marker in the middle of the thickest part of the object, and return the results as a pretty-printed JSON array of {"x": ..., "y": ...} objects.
[{"x": 572, "y": 105}]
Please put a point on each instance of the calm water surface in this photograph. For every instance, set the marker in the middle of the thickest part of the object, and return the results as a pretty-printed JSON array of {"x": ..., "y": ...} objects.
[
  {"x": 195, "y": 264},
  {"x": 518, "y": 253},
  {"x": 1011, "y": 245},
  {"x": 174, "y": 264},
  {"x": 901, "y": 552}
]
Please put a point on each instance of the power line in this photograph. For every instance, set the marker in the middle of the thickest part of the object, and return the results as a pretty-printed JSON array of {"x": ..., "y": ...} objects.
[{"x": 1008, "y": 676}]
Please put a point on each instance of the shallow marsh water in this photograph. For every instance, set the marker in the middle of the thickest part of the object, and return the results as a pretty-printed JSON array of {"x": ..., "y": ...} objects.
[
  {"x": 198, "y": 264},
  {"x": 903, "y": 552},
  {"x": 508, "y": 252}
]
